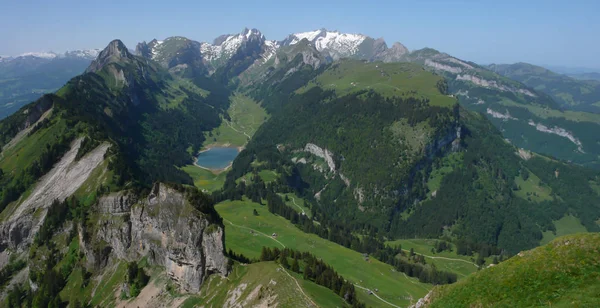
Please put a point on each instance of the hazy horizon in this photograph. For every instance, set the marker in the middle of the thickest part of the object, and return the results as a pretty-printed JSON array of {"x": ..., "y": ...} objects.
[{"x": 545, "y": 33}]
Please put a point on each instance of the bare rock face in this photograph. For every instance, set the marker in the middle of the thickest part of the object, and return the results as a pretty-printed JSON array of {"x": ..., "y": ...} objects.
[
  {"x": 394, "y": 54},
  {"x": 163, "y": 227},
  {"x": 116, "y": 51},
  {"x": 19, "y": 228}
]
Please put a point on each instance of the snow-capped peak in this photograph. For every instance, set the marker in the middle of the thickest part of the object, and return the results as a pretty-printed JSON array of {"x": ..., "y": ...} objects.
[
  {"x": 225, "y": 46},
  {"x": 310, "y": 36},
  {"x": 44, "y": 55},
  {"x": 339, "y": 44},
  {"x": 89, "y": 54}
]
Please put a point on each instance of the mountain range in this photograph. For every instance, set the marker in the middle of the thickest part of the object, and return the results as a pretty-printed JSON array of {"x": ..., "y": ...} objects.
[
  {"x": 358, "y": 163},
  {"x": 26, "y": 77}
]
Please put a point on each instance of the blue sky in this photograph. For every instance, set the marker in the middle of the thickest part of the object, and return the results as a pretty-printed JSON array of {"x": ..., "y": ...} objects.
[{"x": 564, "y": 33}]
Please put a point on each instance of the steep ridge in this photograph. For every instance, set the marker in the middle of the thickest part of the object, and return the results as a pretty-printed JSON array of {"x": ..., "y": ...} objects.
[
  {"x": 563, "y": 273},
  {"x": 528, "y": 118},
  {"x": 60, "y": 182},
  {"x": 67, "y": 159},
  {"x": 570, "y": 93},
  {"x": 365, "y": 143}
]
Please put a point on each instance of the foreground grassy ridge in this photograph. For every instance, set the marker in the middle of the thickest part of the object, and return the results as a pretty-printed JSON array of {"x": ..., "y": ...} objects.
[
  {"x": 239, "y": 220},
  {"x": 564, "y": 273},
  {"x": 264, "y": 282},
  {"x": 445, "y": 260},
  {"x": 388, "y": 79}
]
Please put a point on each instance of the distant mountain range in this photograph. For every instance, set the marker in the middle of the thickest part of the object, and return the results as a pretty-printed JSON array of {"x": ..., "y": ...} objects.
[
  {"x": 530, "y": 116},
  {"x": 369, "y": 142},
  {"x": 26, "y": 77}
]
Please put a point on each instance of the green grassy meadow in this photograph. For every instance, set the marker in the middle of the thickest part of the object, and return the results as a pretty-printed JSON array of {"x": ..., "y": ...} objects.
[
  {"x": 204, "y": 179},
  {"x": 567, "y": 225},
  {"x": 239, "y": 221},
  {"x": 261, "y": 281},
  {"x": 388, "y": 79},
  {"x": 445, "y": 260},
  {"x": 563, "y": 273},
  {"x": 246, "y": 117}
]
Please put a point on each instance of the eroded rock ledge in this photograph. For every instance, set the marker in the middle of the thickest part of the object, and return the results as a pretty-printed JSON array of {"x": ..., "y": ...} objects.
[{"x": 165, "y": 228}]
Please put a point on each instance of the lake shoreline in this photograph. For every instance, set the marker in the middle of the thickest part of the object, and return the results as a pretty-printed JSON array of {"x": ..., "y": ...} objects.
[{"x": 216, "y": 145}]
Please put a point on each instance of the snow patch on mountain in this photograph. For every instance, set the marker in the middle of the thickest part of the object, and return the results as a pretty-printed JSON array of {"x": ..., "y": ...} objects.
[
  {"x": 558, "y": 131},
  {"x": 310, "y": 36},
  {"x": 224, "y": 47},
  {"x": 82, "y": 53},
  {"x": 155, "y": 49},
  {"x": 44, "y": 55},
  {"x": 338, "y": 44},
  {"x": 270, "y": 50}
]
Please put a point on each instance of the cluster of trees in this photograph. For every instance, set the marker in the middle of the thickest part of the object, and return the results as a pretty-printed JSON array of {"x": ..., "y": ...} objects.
[
  {"x": 57, "y": 214},
  {"x": 200, "y": 201},
  {"x": 13, "y": 267},
  {"x": 414, "y": 265},
  {"x": 13, "y": 185},
  {"x": 313, "y": 269},
  {"x": 136, "y": 278}
]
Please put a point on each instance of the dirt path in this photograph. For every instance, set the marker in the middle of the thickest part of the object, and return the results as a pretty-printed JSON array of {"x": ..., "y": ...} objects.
[
  {"x": 241, "y": 132},
  {"x": 444, "y": 258},
  {"x": 280, "y": 243},
  {"x": 301, "y": 209},
  {"x": 299, "y": 287},
  {"x": 373, "y": 293}
]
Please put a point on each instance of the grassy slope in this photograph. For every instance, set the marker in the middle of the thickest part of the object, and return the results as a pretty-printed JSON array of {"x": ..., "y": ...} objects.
[
  {"x": 204, "y": 179},
  {"x": 564, "y": 273},
  {"x": 264, "y": 279},
  {"x": 445, "y": 260},
  {"x": 389, "y": 79},
  {"x": 533, "y": 189},
  {"x": 246, "y": 117},
  {"x": 23, "y": 154},
  {"x": 393, "y": 286},
  {"x": 566, "y": 225}
]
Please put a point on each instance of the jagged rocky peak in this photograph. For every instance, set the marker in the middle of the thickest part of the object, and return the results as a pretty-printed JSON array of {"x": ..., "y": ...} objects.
[
  {"x": 224, "y": 46},
  {"x": 115, "y": 51},
  {"x": 145, "y": 49},
  {"x": 338, "y": 45}
]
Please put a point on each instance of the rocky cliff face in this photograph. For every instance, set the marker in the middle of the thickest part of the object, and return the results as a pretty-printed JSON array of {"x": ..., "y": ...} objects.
[
  {"x": 116, "y": 51},
  {"x": 19, "y": 228},
  {"x": 163, "y": 227}
]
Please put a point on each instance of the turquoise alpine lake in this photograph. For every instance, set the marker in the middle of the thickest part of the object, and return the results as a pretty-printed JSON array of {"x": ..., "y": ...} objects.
[{"x": 217, "y": 157}]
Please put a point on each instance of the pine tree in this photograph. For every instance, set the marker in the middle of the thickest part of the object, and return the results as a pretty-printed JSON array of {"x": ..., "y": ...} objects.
[
  {"x": 283, "y": 261},
  {"x": 295, "y": 266}
]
